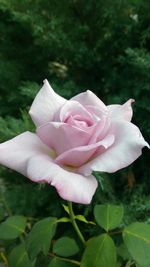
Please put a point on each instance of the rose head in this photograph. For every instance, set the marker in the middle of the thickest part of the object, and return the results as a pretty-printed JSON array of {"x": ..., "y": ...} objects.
[{"x": 73, "y": 138}]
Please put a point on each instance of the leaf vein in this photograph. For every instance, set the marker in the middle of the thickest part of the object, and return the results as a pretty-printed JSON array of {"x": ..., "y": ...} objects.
[{"x": 138, "y": 236}]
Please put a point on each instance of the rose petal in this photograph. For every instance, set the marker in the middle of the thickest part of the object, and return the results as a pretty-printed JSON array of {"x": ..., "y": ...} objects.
[
  {"x": 16, "y": 152},
  {"x": 70, "y": 186},
  {"x": 88, "y": 98},
  {"x": 61, "y": 136},
  {"x": 126, "y": 148},
  {"x": 97, "y": 112},
  {"x": 73, "y": 108},
  {"x": 100, "y": 130},
  {"x": 45, "y": 105},
  {"x": 124, "y": 111},
  {"x": 79, "y": 155}
]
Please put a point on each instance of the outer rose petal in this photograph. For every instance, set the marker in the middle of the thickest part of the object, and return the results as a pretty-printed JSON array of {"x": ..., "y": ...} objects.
[
  {"x": 70, "y": 186},
  {"x": 15, "y": 153},
  {"x": 45, "y": 105},
  {"x": 79, "y": 155},
  {"x": 124, "y": 111},
  {"x": 62, "y": 136},
  {"x": 126, "y": 149}
]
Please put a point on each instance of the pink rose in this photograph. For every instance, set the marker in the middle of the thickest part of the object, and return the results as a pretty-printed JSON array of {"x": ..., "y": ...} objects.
[{"x": 73, "y": 138}]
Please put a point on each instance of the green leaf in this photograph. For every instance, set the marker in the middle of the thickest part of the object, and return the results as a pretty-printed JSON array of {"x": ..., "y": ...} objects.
[
  {"x": 119, "y": 264},
  {"x": 13, "y": 227},
  {"x": 65, "y": 246},
  {"x": 19, "y": 257},
  {"x": 123, "y": 252},
  {"x": 40, "y": 237},
  {"x": 59, "y": 263},
  {"x": 82, "y": 219},
  {"x": 66, "y": 208},
  {"x": 137, "y": 239},
  {"x": 64, "y": 219},
  {"x": 100, "y": 252},
  {"x": 108, "y": 216}
]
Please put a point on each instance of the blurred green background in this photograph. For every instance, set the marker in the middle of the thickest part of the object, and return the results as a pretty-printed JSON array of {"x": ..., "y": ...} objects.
[{"x": 77, "y": 45}]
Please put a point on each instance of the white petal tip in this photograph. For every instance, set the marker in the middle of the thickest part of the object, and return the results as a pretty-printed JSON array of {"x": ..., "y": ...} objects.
[
  {"x": 147, "y": 145},
  {"x": 45, "y": 81},
  {"x": 132, "y": 100}
]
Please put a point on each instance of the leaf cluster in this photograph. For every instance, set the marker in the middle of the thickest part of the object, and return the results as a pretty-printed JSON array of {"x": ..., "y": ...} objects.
[{"x": 40, "y": 241}]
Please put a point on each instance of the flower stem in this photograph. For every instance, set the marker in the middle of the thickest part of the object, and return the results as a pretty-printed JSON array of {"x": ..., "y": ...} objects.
[
  {"x": 76, "y": 228},
  {"x": 4, "y": 259},
  {"x": 64, "y": 259}
]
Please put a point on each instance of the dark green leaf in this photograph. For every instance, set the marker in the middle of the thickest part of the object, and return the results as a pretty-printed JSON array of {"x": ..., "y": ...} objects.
[
  {"x": 100, "y": 252},
  {"x": 13, "y": 227},
  {"x": 108, "y": 216},
  {"x": 123, "y": 252},
  {"x": 19, "y": 257},
  {"x": 59, "y": 263},
  {"x": 65, "y": 246},
  {"x": 39, "y": 238}
]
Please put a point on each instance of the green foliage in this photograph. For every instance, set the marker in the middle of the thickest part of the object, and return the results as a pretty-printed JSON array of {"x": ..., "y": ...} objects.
[
  {"x": 123, "y": 252},
  {"x": 65, "y": 246},
  {"x": 59, "y": 263},
  {"x": 100, "y": 252},
  {"x": 13, "y": 227},
  {"x": 137, "y": 204},
  {"x": 36, "y": 244},
  {"x": 137, "y": 239},
  {"x": 83, "y": 219},
  {"x": 40, "y": 237},
  {"x": 108, "y": 216},
  {"x": 19, "y": 257}
]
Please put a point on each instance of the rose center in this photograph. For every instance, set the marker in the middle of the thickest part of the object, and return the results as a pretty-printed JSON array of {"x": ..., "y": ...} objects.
[{"x": 78, "y": 120}]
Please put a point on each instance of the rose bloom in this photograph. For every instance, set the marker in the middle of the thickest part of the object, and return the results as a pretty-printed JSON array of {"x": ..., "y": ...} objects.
[{"x": 73, "y": 138}]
